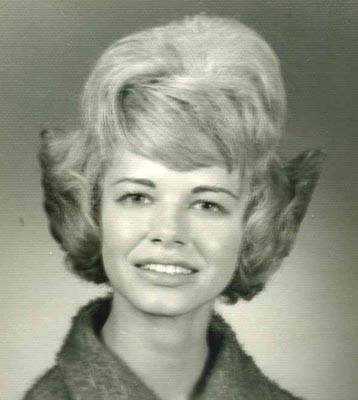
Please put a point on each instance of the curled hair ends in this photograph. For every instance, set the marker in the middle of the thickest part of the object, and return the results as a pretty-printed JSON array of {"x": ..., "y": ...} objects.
[{"x": 270, "y": 231}]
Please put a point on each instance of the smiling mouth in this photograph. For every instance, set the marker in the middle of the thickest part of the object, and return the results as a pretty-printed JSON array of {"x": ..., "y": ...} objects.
[{"x": 170, "y": 269}]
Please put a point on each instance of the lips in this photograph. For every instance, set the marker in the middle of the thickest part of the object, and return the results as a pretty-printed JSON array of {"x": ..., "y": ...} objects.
[
  {"x": 168, "y": 266},
  {"x": 167, "y": 269}
]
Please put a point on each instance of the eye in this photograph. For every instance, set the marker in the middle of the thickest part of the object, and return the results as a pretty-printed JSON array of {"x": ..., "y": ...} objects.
[
  {"x": 209, "y": 206},
  {"x": 134, "y": 198}
]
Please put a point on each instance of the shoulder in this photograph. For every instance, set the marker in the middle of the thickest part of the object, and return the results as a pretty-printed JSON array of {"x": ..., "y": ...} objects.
[
  {"x": 257, "y": 383},
  {"x": 49, "y": 386},
  {"x": 242, "y": 373}
]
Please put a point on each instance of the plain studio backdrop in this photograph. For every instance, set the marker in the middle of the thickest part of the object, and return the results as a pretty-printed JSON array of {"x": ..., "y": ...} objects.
[{"x": 302, "y": 330}]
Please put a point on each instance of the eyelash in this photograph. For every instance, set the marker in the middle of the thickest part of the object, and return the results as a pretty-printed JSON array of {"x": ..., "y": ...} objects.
[
  {"x": 131, "y": 196},
  {"x": 213, "y": 206}
]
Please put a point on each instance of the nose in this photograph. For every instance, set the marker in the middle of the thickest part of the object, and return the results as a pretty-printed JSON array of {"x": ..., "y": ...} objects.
[{"x": 168, "y": 227}]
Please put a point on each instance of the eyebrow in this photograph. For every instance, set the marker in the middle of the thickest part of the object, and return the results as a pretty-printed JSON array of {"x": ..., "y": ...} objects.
[
  {"x": 197, "y": 189},
  {"x": 145, "y": 182},
  {"x": 215, "y": 189}
]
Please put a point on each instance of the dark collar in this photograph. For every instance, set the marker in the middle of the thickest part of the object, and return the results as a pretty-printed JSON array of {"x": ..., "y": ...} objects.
[{"x": 92, "y": 372}]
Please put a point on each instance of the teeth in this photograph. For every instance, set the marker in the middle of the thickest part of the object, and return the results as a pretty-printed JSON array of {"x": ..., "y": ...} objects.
[{"x": 167, "y": 268}]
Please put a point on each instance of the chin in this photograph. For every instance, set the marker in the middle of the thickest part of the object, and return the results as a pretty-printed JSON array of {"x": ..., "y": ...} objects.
[
  {"x": 166, "y": 304},
  {"x": 164, "y": 307}
]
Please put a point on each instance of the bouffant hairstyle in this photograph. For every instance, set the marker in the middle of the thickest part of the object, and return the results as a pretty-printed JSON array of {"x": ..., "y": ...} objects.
[{"x": 197, "y": 92}]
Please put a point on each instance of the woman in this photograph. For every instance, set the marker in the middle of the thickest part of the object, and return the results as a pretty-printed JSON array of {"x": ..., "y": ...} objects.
[{"x": 174, "y": 193}]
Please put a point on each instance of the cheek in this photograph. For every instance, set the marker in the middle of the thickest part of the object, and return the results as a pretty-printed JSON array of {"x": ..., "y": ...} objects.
[
  {"x": 121, "y": 230},
  {"x": 222, "y": 242},
  {"x": 221, "y": 253},
  {"x": 224, "y": 256}
]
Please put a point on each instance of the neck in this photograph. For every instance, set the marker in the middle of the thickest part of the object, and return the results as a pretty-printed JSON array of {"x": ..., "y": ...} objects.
[{"x": 167, "y": 352}]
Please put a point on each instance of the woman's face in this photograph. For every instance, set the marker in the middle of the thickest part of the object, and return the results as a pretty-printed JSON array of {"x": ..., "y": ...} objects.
[{"x": 170, "y": 239}]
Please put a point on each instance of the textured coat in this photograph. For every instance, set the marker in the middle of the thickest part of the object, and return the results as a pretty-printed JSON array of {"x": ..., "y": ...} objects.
[{"x": 87, "y": 370}]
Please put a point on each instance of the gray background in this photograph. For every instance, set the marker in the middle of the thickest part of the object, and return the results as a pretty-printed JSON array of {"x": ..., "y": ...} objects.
[{"x": 303, "y": 329}]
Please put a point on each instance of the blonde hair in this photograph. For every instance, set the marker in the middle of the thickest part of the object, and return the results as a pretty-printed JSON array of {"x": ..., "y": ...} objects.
[{"x": 197, "y": 92}]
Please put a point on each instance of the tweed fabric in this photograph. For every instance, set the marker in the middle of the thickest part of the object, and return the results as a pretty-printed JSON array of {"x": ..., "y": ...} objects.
[{"x": 86, "y": 369}]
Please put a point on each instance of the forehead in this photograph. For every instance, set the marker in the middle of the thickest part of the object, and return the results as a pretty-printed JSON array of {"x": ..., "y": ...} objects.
[{"x": 127, "y": 164}]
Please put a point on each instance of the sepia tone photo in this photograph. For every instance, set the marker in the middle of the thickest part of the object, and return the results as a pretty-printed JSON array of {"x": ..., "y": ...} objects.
[{"x": 178, "y": 215}]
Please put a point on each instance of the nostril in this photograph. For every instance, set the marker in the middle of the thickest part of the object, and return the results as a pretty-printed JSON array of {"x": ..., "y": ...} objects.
[{"x": 167, "y": 240}]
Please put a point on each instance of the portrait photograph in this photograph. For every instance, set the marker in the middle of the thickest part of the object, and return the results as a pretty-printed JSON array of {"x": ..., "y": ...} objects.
[{"x": 178, "y": 198}]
